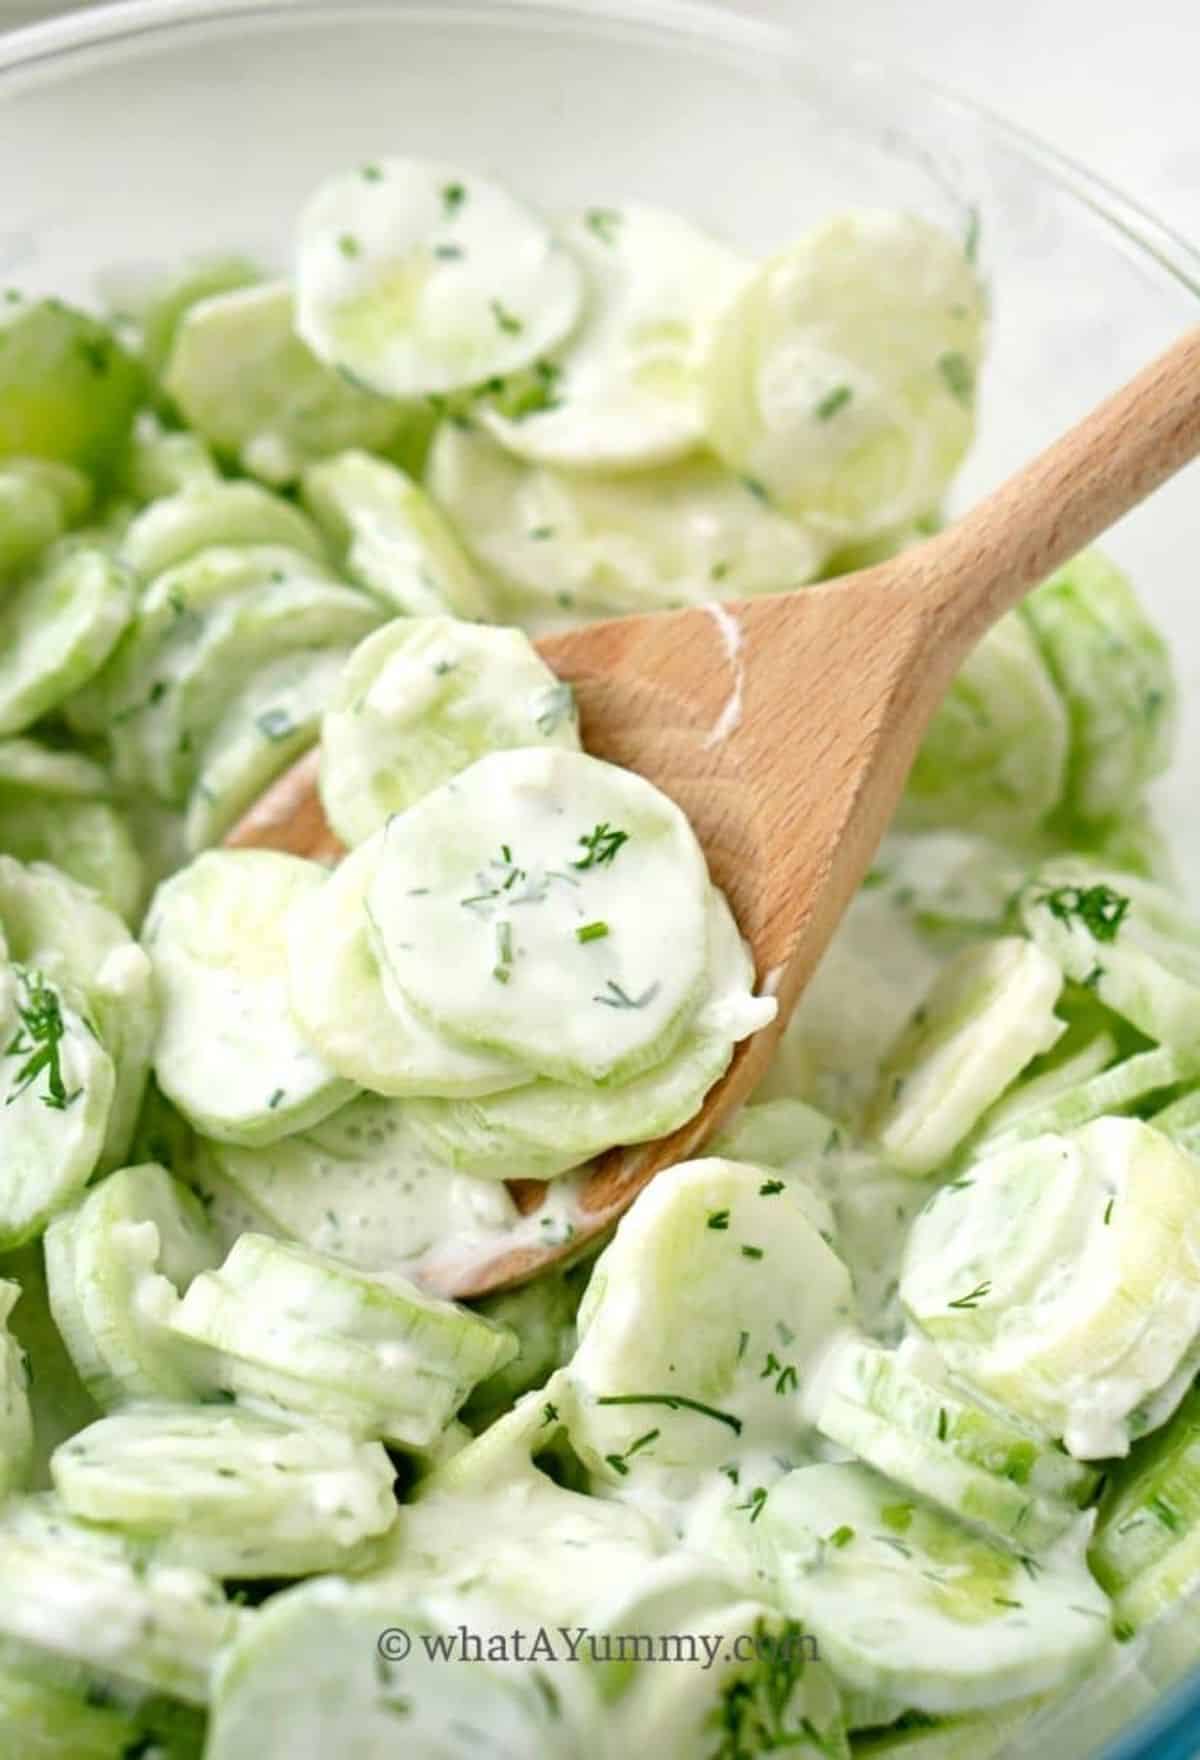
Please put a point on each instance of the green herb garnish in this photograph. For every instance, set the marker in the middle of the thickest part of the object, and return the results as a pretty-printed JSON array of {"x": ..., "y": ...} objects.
[
  {"x": 600, "y": 845},
  {"x": 619, "y": 998},
  {"x": 718, "y": 1219},
  {"x": 973, "y": 1297},
  {"x": 39, "y": 1041},
  {"x": 832, "y": 402},
  {"x": 604, "y": 222},
  {"x": 620, "y": 1462},
  {"x": 959, "y": 375},
  {"x": 453, "y": 197},
  {"x": 502, "y": 970},
  {"x": 674, "y": 1402},
  {"x": 591, "y": 932},
  {"x": 1098, "y": 908},
  {"x": 506, "y": 321}
]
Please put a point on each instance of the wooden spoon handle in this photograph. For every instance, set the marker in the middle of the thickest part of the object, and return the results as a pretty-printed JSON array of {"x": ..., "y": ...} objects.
[{"x": 1065, "y": 497}]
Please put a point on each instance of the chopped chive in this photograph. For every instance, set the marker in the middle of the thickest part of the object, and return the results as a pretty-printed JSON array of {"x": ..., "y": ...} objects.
[
  {"x": 600, "y": 845},
  {"x": 841, "y": 1536},
  {"x": 674, "y": 1402},
  {"x": 752, "y": 1252},
  {"x": 770, "y": 1188},
  {"x": 501, "y": 971},
  {"x": 973, "y": 1297},
  {"x": 591, "y": 932},
  {"x": 619, "y": 998},
  {"x": 506, "y": 321},
  {"x": 959, "y": 375},
  {"x": 604, "y": 222},
  {"x": 349, "y": 245},
  {"x": 832, "y": 402},
  {"x": 453, "y": 197},
  {"x": 718, "y": 1219}
]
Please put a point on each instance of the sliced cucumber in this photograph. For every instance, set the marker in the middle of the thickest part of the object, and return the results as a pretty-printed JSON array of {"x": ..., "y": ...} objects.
[
  {"x": 43, "y": 1722},
  {"x": 701, "y": 1322},
  {"x": 58, "y": 1401},
  {"x": 788, "y": 1137},
  {"x": 173, "y": 297},
  {"x": 56, "y": 1085},
  {"x": 1063, "y": 1277},
  {"x": 16, "y": 1419},
  {"x": 240, "y": 374},
  {"x": 39, "y": 499},
  {"x": 579, "y": 543},
  {"x": 57, "y": 630},
  {"x": 985, "y": 1736},
  {"x": 300, "y": 1332},
  {"x": 1127, "y": 939},
  {"x": 1114, "y": 673},
  {"x": 117, "y": 1265},
  {"x": 231, "y": 1493},
  {"x": 624, "y": 393},
  {"x": 391, "y": 538},
  {"x": 423, "y": 278},
  {"x": 1181, "y": 1121},
  {"x": 180, "y": 526},
  {"x": 360, "y": 1186},
  {"x": 370, "y": 1035},
  {"x": 547, "y": 1127},
  {"x": 422, "y": 699},
  {"x": 1117, "y": 1089},
  {"x": 68, "y": 390},
  {"x": 270, "y": 722},
  {"x": 88, "y": 840},
  {"x": 28, "y": 765},
  {"x": 107, "y": 1613},
  {"x": 995, "y": 755},
  {"x": 581, "y": 885},
  {"x": 228, "y": 1053},
  {"x": 542, "y": 1315},
  {"x": 55, "y": 926},
  {"x": 916, "y": 1606},
  {"x": 842, "y": 379},
  {"x": 1145, "y": 1552},
  {"x": 165, "y": 461},
  {"x": 311, "y": 1677},
  {"x": 988, "y": 1015}
]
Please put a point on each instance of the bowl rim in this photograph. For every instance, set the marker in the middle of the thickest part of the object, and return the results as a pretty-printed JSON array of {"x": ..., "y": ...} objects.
[{"x": 122, "y": 20}]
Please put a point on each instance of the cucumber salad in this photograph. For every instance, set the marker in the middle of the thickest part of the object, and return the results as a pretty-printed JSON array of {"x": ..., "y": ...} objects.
[{"x": 875, "y": 1430}]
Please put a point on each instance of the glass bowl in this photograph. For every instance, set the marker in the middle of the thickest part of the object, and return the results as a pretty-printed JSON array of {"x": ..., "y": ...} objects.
[{"x": 136, "y": 135}]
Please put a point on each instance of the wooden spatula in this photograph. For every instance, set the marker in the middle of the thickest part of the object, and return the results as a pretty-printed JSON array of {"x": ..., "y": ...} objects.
[{"x": 785, "y": 726}]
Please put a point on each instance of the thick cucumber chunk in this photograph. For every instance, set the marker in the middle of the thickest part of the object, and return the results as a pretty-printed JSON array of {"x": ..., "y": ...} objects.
[
  {"x": 68, "y": 390},
  {"x": 587, "y": 543},
  {"x": 16, "y": 1419},
  {"x": 624, "y": 393},
  {"x": 547, "y": 1127},
  {"x": 57, "y": 630},
  {"x": 228, "y": 1053},
  {"x": 1145, "y": 1551},
  {"x": 57, "y": 927},
  {"x": 907, "y": 1602},
  {"x": 230, "y": 1492},
  {"x": 107, "y": 1612},
  {"x": 56, "y": 1087},
  {"x": 995, "y": 755},
  {"x": 842, "y": 379},
  {"x": 311, "y": 1677},
  {"x": 701, "y": 1323},
  {"x": 365, "y": 1030},
  {"x": 989, "y": 1014},
  {"x": 422, "y": 278},
  {"x": 422, "y": 699},
  {"x": 1114, "y": 673},
  {"x": 391, "y": 538},
  {"x": 567, "y": 902},
  {"x": 299, "y": 1332},
  {"x": 1127, "y": 939},
  {"x": 360, "y": 1186},
  {"x": 1063, "y": 1277},
  {"x": 268, "y": 724},
  {"x": 240, "y": 374},
  {"x": 117, "y": 1265},
  {"x": 205, "y": 514}
]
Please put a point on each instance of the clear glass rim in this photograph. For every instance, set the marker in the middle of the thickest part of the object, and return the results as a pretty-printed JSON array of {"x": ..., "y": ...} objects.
[{"x": 126, "y": 20}]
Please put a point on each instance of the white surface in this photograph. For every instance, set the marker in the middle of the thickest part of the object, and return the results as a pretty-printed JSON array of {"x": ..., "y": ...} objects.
[{"x": 1112, "y": 84}]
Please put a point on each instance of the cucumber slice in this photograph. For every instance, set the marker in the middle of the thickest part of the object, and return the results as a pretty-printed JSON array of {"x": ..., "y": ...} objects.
[
  {"x": 370, "y": 1035},
  {"x": 240, "y": 374},
  {"x": 916, "y": 1606},
  {"x": 1181, "y": 1121},
  {"x": 501, "y": 868},
  {"x": 1145, "y": 1540},
  {"x": 56, "y": 1085},
  {"x": 359, "y": 1186},
  {"x": 58, "y": 1401},
  {"x": 1114, "y": 673},
  {"x": 842, "y": 379},
  {"x": 1117, "y": 1089},
  {"x": 542, "y": 1315},
  {"x": 26, "y": 765},
  {"x": 586, "y": 543},
  {"x": 57, "y": 630},
  {"x": 270, "y": 722},
  {"x": 989, "y": 1014},
  {"x": 40, "y": 1722},
  {"x": 228, "y": 1054},
  {"x": 700, "y": 1324},
  {"x": 309, "y": 1677},
  {"x": 116, "y": 1266},
  {"x": 39, "y": 499},
  {"x": 391, "y": 538},
  {"x": 229, "y": 1492},
  {"x": 423, "y": 278},
  {"x": 788, "y": 1137},
  {"x": 300, "y": 1332},
  {"x": 985, "y": 1736},
  {"x": 422, "y": 699},
  {"x": 55, "y": 926},
  {"x": 68, "y": 390},
  {"x": 546, "y": 1127},
  {"x": 172, "y": 530},
  {"x": 1127, "y": 939},
  {"x": 106, "y": 1613},
  {"x": 1063, "y": 1277},
  {"x": 995, "y": 755},
  {"x": 170, "y": 302},
  {"x": 166, "y": 461},
  {"x": 16, "y": 1419},
  {"x": 624, "y": 392},
  {"x": 88, "y": 840}
]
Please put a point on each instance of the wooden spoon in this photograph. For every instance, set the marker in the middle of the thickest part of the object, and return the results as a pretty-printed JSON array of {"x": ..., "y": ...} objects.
[{"x": 785, "y": 726}]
